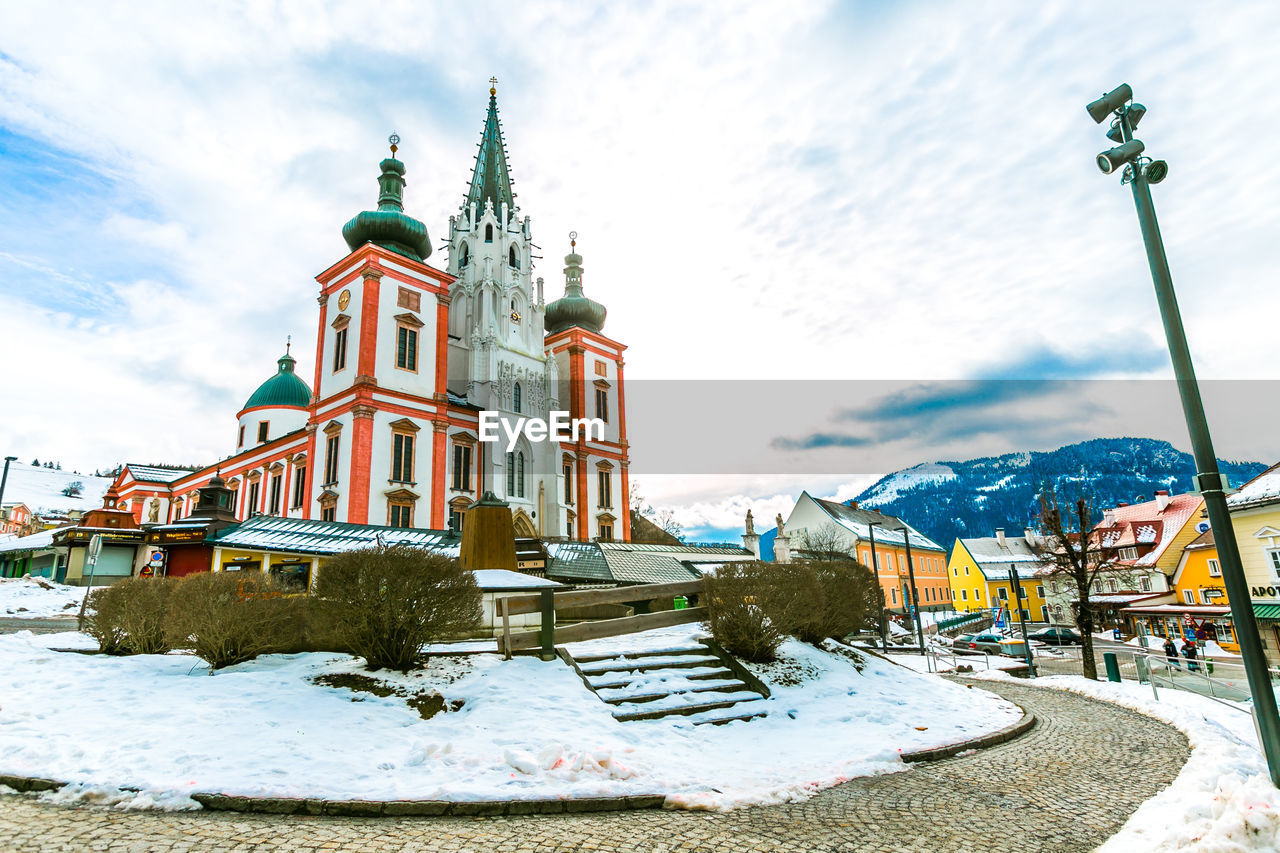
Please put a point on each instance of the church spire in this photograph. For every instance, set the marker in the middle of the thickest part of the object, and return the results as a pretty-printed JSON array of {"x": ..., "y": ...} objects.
[{"x": 491, "y": 179}]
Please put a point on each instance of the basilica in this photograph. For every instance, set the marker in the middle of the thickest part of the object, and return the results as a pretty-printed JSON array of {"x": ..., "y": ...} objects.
[{"x": 407, "y": 357}]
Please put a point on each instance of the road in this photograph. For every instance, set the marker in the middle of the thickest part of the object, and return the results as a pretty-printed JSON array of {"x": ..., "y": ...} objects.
[{"x": 53, "y": 625}]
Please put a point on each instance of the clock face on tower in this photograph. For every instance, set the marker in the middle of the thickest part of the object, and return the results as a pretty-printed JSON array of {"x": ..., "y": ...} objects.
[
  {"x": 344, "y": 299},
  {"x": 515, "y": 316}
]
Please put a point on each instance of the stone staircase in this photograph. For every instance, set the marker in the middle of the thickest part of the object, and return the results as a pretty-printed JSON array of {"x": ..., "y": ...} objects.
[{"x": 698, "y": 683}]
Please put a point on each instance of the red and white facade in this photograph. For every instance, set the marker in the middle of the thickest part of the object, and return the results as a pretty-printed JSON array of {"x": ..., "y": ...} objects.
[{"x": 407, "y": 356}]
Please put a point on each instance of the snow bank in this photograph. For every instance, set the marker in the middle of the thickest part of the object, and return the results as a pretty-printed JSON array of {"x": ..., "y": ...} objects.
[
  {"x": 528, "y": 729},
  {"x": 38, "y": 598},
  {"x": 1222, "y": 801}
]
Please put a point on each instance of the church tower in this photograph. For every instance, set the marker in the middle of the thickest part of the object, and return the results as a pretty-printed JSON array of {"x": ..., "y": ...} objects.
[{"x": 497, "y": 359}]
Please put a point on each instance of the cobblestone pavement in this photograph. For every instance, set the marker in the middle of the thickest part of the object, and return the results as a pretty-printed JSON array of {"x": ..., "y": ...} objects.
[{"x": 1066, "y": 785}]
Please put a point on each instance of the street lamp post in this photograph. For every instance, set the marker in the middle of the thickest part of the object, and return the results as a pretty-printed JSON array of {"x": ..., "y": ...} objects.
[
  {"x": 875, "y": 573},
  {"x": 1140, "y": 172},
  {"x": 4, "y": 478},
  {"x": 911, "y": 578}
]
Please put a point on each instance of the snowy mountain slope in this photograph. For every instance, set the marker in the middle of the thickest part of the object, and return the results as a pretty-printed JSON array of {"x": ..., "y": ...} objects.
[
  {"x": 948, "y": 500},
  {"x": 41, "y": 488}
]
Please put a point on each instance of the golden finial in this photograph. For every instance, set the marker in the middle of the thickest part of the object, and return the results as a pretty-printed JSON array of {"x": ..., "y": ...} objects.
[
  {"x": 573, "y": 240},
  {"x": 288, "y": 342},
  {"x": 493, "y": 86},
  {"x": 394, "y": 139}
]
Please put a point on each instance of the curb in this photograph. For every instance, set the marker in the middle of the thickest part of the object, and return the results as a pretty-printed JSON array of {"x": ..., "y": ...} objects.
[
  {"x": 383, "y": 808},
  {"x": 995, "y": 738}
]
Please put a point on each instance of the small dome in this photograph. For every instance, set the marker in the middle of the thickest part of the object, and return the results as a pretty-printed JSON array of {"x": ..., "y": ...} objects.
[
  {"x": 388, "y": 226},
  {"x": 284, "y": 389},
  {"x": 574, "y": 309}
]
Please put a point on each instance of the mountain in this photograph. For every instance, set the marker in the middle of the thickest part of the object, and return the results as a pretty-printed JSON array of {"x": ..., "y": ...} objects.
[{"x": 950, "y": 500}]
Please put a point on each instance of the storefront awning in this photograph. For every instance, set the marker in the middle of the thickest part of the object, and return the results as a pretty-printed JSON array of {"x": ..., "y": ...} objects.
[{"x": 1266, "y": 611}]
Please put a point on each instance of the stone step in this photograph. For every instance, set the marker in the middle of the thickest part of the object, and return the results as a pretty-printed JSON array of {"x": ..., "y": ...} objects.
[
  {"x": 711, "y": 672},
  {"x": 749, "y": 710},
  {"x": 679, "y": 650},
  {"x": 650, "y": 664},
  {"x": 640, "y": 698},
  {"x": 680, "y": 710}
]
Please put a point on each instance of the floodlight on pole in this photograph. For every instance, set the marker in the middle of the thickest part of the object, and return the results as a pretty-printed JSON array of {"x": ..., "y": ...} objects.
[
  {"x": 1209, "y": 481},
  {"x": 1114, "y": 158}
]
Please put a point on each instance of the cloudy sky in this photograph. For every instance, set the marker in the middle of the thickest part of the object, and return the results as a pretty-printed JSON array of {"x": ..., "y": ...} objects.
[{"x": 765, "y": 195}]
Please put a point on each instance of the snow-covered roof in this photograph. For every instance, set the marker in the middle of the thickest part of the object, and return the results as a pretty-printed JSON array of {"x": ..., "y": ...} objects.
[
  {"x": 636, "y": 563},
  {"x": 309, "y": 536},
  {"x": 1146, "y": 524},
  {"x": 502, "y": 580},
  {"x": 41, "y": 489},
  {"x": 860, "y": 521},
  {"x": 989, "y": 549},
  {"x": 34, "y": 542},
  {"x": 156, "y": 473},
  {"x": 1179, "y": 609},
  {"x": 1262, "y": 489}
]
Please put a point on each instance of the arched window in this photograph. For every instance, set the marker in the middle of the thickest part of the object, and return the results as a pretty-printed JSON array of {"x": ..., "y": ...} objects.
[
  {"x": 488, "y": 233},
  {"x": 515, "y": 399},
  {"x": 515, "y": 474},
  {"x": 512, "y": 259},
  {"x": 465, "y": 257}
]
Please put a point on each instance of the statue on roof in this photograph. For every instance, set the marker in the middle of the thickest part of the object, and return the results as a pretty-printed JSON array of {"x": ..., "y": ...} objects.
[
  {"x": 751, "y": 524},
  {"x": 781, "y": 531}
]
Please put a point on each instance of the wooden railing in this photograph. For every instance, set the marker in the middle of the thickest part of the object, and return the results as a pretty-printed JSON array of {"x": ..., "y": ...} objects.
[{"x": 548, "y": 636}]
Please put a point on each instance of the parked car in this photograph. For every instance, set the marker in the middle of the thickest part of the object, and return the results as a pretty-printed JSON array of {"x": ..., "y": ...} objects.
[
  {"x": 977, "y": 644},
  {"x": 1056, "y": 636}
]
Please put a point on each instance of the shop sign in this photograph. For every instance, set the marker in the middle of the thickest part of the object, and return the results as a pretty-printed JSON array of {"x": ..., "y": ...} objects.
[{"x": 1265, "y": 592}]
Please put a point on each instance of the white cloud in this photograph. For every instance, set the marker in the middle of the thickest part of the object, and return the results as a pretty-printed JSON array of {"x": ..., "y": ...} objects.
[{"x": 821, "y": 191}]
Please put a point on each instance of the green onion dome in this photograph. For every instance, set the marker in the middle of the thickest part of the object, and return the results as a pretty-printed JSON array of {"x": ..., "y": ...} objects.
[
  {"x": 574, "y": 309},
  {"x": 388, "y": 226},
  {"x": 285, "y": 389}
]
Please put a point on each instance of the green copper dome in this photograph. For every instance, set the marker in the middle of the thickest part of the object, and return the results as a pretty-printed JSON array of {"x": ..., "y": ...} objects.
[
  {"x": 574, "y": 309},
  {"x": 388, "y": 226},
  {"x": 283, "y": 389}
]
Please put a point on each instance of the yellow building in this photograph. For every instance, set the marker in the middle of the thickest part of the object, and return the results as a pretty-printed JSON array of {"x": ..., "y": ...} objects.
[
  {"x": 978, "y": 571},
  {"x": 1201, "y": 608},
  {"x": 1255, "y": 516}
]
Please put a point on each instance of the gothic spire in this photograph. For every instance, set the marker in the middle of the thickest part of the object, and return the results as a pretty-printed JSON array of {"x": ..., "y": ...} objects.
[{"x": 491, "y": 179}]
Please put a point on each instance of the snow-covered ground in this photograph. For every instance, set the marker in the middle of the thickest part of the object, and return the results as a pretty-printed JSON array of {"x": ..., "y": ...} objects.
[
  {"x": 38, "y": 598},
  {"x": 528, "y": 729},
  {"x": 1222, "y": 801}
]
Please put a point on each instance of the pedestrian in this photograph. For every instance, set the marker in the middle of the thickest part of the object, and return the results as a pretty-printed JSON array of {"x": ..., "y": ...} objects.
[
  {"x": 1171, "y": 652},
  {"x": 1189, "y": 652}
]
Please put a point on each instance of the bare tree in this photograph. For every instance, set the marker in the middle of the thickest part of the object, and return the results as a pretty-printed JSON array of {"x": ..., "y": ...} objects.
[
  {"x": 828, "y": 542},
  {"x": 666, "y": 520},
  {"x": 1076, "y": 554}
]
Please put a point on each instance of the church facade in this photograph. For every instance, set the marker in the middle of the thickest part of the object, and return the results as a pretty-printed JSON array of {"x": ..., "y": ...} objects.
[{"x": 408, "y": 356}]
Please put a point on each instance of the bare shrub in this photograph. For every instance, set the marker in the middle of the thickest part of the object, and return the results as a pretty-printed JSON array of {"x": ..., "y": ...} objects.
[
  {"x": 104, "y": 623},
  {"x": 847, "y": 600},
  {"x": 230, "y": 617},
  {"x": 129, "y": 617},
  {"x": 742, "y": 605},
  {"x": 388, "y": 602}
]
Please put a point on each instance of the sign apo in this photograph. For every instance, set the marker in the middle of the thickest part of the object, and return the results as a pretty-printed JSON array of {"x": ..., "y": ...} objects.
[
  {"x": 559, "y": 429},
  {"x": 1264, "y": 592}
]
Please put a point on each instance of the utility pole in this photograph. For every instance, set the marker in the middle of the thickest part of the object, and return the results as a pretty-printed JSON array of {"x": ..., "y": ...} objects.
[
  {"x": 1140, "y": 172},
  {"x": 4, "y": 478},
  {"x": 1016, "y": 583}
]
